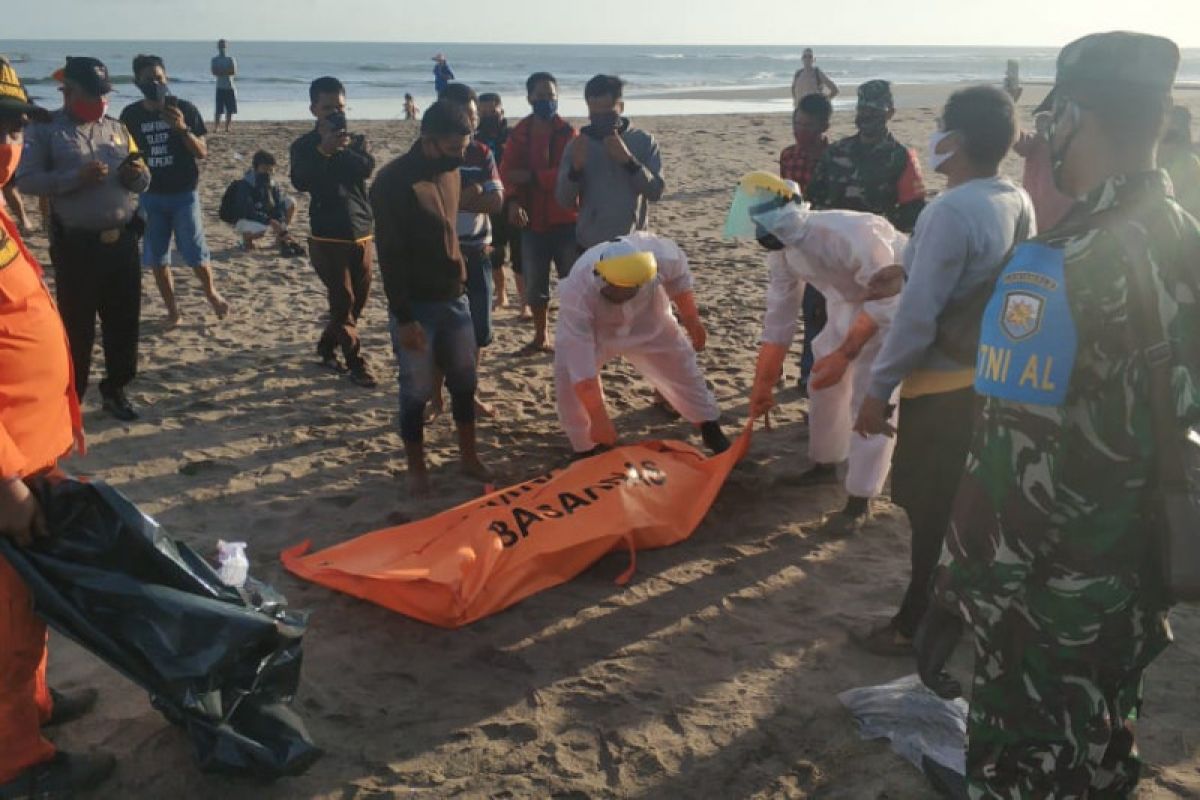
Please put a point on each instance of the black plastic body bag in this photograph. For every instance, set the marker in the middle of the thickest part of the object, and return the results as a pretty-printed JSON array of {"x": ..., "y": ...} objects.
[{"x": 221, "y": 663}]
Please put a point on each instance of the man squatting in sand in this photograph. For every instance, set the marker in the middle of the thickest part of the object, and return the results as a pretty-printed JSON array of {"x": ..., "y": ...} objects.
[{"x": 617, "y": 302}]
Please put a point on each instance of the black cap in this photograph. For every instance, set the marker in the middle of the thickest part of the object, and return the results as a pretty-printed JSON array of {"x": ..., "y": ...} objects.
[
  {"x": 89, "y": 73},
  {"x": 1118, "y": 62},
  {"x": 13, "y": 97},
  {"x": 876, "y": 94}
]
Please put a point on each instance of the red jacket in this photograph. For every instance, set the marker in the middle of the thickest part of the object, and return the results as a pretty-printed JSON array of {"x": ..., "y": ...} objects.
[{"x": 540, "y": 150}]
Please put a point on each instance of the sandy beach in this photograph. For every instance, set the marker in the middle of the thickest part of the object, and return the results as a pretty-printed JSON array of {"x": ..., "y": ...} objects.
[{"x": 713, "y": 674}]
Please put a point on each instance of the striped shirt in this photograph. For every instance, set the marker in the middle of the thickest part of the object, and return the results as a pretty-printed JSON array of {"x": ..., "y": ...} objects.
[{"x": 474, "y": 228}]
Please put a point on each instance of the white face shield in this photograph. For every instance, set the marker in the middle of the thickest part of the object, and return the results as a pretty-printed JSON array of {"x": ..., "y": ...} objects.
[{"x": 759, "y": 196}]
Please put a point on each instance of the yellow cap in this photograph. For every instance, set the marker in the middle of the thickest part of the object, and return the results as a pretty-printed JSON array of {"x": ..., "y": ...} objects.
[
  {"x": 12, "y": 93},
  {"x": 768, "y": 182},
  {"x": 628, "y": 270}
]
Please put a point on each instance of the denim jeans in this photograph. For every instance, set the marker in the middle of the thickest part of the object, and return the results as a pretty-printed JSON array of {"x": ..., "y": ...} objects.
[
  {"x": 479, "y": 293},
  {"x": 813, "y": 309},
  {"x": 449, "y": 347}
]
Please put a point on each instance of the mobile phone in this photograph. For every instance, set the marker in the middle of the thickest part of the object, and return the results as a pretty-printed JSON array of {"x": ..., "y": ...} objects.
[{"x": 171, "y": 101}]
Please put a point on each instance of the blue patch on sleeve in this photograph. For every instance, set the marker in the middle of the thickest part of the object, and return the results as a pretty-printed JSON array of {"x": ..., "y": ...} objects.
[{"x": 1027, "y": 341}]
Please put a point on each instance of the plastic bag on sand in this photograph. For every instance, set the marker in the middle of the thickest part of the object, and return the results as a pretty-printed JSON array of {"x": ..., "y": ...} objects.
[
  {"x": 918, "y": 722},
  {"x": 221, "y": 663}
]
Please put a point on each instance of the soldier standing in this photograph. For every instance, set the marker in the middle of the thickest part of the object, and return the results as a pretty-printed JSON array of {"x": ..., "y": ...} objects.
[
  {"x": 869, "y": 171},
  {"x": 1047, "y": 557}
]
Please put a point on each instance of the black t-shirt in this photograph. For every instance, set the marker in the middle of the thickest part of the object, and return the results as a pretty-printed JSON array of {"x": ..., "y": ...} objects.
[{"x": 173, "y": 168}]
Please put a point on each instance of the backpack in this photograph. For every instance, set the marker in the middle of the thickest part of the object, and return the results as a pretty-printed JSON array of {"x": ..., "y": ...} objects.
[{"x": 229, "y": 211}]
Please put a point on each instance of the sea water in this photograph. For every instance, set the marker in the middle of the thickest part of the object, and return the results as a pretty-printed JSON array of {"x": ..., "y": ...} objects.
[{"x": 273, "y": 77}]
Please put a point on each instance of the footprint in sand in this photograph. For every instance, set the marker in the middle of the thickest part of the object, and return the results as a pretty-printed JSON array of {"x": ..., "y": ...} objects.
[
  {"x": 204, "y": 466},
  {"x": 521, "y": 733}
]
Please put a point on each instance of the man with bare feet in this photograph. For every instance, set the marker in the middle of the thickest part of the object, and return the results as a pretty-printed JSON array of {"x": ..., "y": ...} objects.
[{"x": 416, "y": 199}]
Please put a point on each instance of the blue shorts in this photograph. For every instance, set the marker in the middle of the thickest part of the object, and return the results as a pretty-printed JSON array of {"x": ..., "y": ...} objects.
[{"x": 178, "y": 216}]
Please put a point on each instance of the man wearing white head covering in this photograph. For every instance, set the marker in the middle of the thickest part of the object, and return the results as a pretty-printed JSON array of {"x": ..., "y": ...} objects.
[
  {"x": 838, "y": 252},
  {"x": 617, "y": 302}
]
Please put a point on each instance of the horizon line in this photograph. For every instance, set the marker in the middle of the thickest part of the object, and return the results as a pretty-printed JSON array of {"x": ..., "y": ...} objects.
[{"x": 445, "y": 43}]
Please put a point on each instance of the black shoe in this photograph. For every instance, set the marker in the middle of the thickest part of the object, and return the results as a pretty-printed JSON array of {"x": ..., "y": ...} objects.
[
  {"x": 290, "y": 248},
  {"x": 714, "y": 438},
  {"x": 361, "y": 374},
  {"x": 885, "y": 640},
  {"x": 844, "y": 524},
  {"x": 816, "y": 475},
  {"x": 118, "y": 406},
  {"x": 60, "y": 778},
  {"x": 69, "y": 706},
  {"x": 331, "y": 362}
]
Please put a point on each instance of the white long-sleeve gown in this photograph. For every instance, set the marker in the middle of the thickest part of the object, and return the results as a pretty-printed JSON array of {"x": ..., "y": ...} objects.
[
  {"x": 837, "y": 252},
  {"x": 591, "y": 331}
]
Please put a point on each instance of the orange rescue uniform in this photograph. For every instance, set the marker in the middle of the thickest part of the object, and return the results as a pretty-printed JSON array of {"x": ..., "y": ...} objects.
[{"x": 39, "y": 423}]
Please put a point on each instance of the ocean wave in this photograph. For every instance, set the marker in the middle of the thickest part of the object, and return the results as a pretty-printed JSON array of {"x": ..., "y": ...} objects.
[{"x": 665, "y": 56}]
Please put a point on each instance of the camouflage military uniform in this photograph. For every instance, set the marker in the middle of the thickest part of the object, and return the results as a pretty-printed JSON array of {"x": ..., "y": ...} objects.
[
  {"x": 1046, "y": 556},
  {"x": 882, "y": 178}
]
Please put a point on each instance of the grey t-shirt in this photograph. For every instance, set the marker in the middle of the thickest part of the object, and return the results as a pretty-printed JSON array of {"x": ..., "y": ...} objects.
[
  {"x": 960, "y": 240},
  {"x": 224, "y": 64}
]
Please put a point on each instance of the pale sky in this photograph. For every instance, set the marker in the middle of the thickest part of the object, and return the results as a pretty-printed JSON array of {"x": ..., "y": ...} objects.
[{"x": 735, "y": 22}]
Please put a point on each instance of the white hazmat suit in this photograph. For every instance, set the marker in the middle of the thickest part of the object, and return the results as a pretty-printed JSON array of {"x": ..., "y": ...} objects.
[
  {"x": 593, "y": 330},
  {"x": 838, "y": 252}
]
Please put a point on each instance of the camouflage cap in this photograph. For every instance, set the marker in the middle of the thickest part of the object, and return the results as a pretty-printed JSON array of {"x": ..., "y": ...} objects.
[
  {"x": 876, "y": 94},
  {"x": 1118, "y": 60}
]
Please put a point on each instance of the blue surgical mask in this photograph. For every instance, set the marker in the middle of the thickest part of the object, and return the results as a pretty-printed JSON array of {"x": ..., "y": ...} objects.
[{"x": 546, "y": 109}]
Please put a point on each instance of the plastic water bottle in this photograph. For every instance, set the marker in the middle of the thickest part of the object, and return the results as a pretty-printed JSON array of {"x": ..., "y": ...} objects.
[{"x": 234, "y": 566}]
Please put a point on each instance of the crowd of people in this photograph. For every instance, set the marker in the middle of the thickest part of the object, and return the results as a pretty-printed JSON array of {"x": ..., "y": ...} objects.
[{"x": 981, "y": 344}]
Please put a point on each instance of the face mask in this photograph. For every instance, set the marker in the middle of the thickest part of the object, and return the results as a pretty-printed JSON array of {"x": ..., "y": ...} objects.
[
  {"x": 10, "y": 156},
  {"x": 937, "y": 159},
  {"x": 545, "y": 109},
  {"x": 606, "y": 121},
  {"x": 490, "y": 126},
  {"x": 873, "y": 127},
  {"x": 806, "y": 138},
  {"x": 1058, "y": 155},
  {"x": 153, "y": 90},
  {"x": 768, "y": 240},
  {"x": 88, "y": 110}
]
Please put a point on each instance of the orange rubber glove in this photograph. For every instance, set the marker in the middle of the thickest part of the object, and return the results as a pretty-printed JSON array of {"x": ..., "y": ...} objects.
[
  {"x": 591, "y": 395},
  {"x": 689, "y": 318},
  {"x": 766, "y": 375},
  {"x": 829, "y": 370}
]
